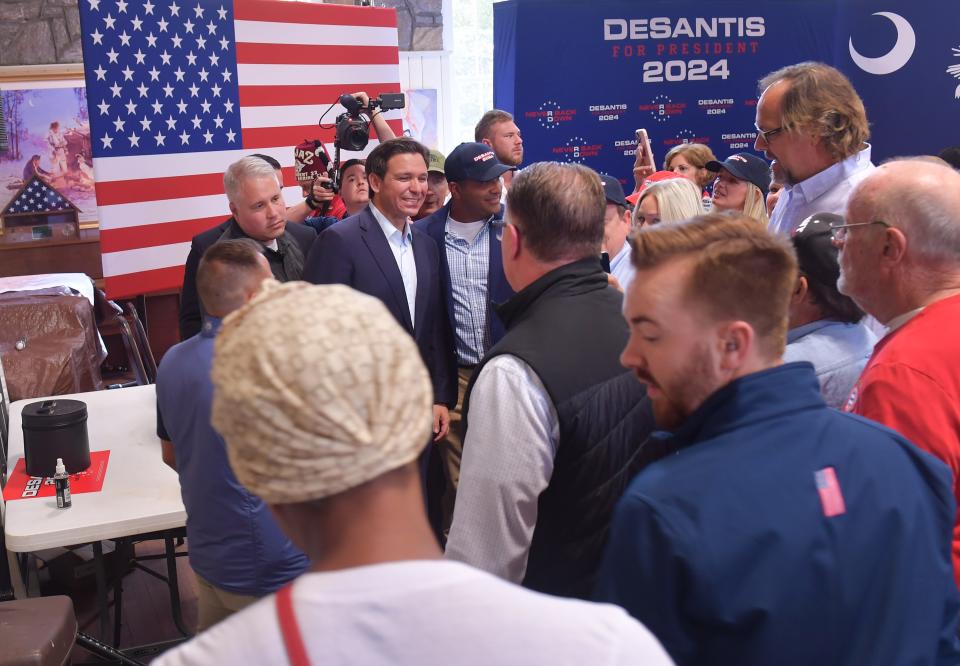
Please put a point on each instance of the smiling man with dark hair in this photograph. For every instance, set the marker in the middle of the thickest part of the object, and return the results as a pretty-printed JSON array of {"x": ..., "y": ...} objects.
[{"x": 380, "y": 252}]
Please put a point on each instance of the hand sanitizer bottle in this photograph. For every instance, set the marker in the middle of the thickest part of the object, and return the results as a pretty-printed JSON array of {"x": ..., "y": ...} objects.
[{"x": 62, "y": 481}]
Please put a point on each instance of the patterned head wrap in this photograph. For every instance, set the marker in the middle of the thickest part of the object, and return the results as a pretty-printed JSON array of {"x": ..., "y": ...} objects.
[{"x": 317, "y": 390}]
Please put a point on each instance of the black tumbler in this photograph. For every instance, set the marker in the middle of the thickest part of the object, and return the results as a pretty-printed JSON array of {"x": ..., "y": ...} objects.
[{"x": 55, "y": 429}]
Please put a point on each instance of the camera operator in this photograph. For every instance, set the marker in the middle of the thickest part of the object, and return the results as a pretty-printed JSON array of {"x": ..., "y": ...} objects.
[
  {"x": 322, "y": 207},
  {"x": 379, "y": 123}
]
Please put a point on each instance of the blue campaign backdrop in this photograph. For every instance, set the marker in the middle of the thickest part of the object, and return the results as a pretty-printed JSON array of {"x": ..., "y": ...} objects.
[{"x": 581, "y": 77}]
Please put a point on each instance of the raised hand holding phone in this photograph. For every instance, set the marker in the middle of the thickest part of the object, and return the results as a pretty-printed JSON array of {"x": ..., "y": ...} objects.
[{"x": 643, "y": 165}]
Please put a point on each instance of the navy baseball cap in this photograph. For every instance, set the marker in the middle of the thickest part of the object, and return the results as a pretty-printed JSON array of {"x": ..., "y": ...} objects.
[
  {"x": 612, "y": 190},
  {"x": 816, "y": 254},
  {"x": 474, "y": 161},
  {"x": 745, "y": 166}
]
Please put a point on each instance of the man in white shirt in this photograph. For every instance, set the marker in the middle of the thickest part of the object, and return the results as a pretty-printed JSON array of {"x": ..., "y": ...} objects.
[
  {"x": 332, "y": 451},
  {"x": 798, "y": 116},
  {"x": 58, "y": 149},
  {"x": 545, "y": 459},
  {"x": 616, "y": 228}
]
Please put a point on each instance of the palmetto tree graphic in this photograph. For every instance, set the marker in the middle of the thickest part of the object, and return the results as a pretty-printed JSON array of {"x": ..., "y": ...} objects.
[{"x": 954, "y": 70}]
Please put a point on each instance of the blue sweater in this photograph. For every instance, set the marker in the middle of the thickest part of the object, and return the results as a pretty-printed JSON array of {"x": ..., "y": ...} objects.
[{"x": 742, "y": 549}]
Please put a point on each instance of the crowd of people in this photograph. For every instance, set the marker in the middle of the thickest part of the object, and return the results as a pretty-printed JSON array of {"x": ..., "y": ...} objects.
[{"x": 503, "y": 415}]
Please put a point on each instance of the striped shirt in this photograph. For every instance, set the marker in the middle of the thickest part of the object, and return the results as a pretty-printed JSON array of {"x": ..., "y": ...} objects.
[{"x": 469, "y": 262}]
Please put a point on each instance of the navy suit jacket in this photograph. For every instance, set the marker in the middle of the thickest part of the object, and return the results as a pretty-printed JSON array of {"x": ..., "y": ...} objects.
[
  {"x": 498, "y": 289},
  {"x": 356, "y": 253}
]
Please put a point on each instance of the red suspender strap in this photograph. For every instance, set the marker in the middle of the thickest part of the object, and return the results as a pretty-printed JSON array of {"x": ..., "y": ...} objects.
[{"x": 292, "y": 639}]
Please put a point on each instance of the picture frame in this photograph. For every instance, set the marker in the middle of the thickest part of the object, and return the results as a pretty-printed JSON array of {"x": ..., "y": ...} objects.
[{"x": 33, "y": 99}]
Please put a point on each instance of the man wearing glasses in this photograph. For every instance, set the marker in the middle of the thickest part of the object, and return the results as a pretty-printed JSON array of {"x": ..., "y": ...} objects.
[
  {"x": 900, "y": 262},
  {"x": 811, "y": 120}
]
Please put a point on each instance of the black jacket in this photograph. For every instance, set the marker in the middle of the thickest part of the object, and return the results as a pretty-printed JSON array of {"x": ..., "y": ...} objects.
[{"x": 191, "y": 316}]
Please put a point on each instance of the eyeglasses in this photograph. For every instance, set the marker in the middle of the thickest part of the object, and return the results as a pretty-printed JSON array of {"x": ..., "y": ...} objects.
[
  {"x": 499, "y": 226},
  {"x": 766, "y": 134},
  {"x": 838, "y": 233}
]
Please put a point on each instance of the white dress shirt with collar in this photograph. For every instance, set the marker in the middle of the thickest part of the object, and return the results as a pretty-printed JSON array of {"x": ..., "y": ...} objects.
[
  {"x": 825, "y": 192},
  {"x": 622, "y": 268},
  {"x": 508, "y": 455},
  {"x": 401, "y": 244}
]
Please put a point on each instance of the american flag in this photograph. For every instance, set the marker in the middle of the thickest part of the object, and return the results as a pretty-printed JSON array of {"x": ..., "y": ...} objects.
[
  {"x": 37, "y": 197},
  {"x": 831, "y": 497},
  {"x": 179, "y": 89}
]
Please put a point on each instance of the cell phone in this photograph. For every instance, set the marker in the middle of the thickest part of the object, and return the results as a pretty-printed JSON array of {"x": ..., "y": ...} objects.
[
  {"x": 605, "y": 261},
  {"x": 643, "y": 143}
]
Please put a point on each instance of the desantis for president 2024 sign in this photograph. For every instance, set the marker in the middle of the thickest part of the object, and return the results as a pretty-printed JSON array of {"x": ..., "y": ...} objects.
[{"x": 581, "y": 77}]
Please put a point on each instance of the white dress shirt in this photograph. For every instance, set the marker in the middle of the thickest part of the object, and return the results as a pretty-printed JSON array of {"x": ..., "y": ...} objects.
[
  {"x": 401, "y": 244},
  {"x": 508, "y": 456},
  {"x": 622, "y": 268},
  {"x": 825, "y": 192}
]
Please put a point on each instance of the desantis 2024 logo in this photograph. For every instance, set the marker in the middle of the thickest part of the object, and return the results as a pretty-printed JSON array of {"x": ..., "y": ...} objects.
[
  {"x": 550, "y": 115},
  {"x": 576, "y": 149}
]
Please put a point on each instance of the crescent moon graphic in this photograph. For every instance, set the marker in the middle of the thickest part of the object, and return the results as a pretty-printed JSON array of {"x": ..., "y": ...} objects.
[{"x": 897, "y": 57}]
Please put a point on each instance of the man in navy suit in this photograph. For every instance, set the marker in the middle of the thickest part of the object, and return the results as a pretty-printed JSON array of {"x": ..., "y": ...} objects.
[
  {"x": 472, "y": 276},
  {"x": 379, "y": 252}
]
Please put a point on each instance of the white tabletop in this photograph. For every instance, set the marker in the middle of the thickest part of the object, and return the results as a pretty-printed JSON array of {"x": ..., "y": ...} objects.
[
  {"x": 140, "y": 493},
  {"x": 79, "y": 282}
]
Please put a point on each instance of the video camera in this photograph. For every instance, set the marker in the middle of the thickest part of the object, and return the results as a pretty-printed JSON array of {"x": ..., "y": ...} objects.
[{"x": 353, "y": 130}]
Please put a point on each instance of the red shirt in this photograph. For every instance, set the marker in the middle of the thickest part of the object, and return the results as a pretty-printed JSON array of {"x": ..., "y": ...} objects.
[{"x": 912, "y": 385}]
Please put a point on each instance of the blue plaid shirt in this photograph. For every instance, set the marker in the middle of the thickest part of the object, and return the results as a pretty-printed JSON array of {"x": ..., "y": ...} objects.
[{"x": 469, "y": 267}]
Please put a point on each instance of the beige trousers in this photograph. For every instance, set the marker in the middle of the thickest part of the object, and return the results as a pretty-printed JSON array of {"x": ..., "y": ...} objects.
[
  {"x": 451, "y": 449},
  {"x": 214, "y": 604}
]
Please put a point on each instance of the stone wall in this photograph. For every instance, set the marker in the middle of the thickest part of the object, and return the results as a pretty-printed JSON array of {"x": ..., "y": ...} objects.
[
  {"x": 420, "y": 23},
  {"x": 42, "y": 32},
  {"x": 39, "y": 32}
]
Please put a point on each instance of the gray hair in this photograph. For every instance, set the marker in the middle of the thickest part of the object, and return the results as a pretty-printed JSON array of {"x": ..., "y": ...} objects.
[
  {"x": 241, "y": 170},
  {"x": 922, "y": 199}
]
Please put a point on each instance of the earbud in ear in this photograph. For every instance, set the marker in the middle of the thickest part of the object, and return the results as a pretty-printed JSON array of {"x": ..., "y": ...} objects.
[{"x": 731, "y": 346}]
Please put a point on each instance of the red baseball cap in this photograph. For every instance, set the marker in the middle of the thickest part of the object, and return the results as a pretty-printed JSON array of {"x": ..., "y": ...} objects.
[{"x": 655, "y": 177}]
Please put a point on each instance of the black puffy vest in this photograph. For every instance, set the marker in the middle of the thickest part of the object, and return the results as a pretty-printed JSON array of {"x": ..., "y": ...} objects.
[{"x": 568, "y": 327}]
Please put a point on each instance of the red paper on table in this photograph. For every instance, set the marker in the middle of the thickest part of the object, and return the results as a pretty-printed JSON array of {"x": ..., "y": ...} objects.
[{"x": 21, "y": 486}]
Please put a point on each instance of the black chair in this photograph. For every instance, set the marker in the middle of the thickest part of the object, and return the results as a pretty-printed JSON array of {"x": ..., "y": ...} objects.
[
  {"x": 147, "y": 359},
  {"x": 111, "y": 320}
]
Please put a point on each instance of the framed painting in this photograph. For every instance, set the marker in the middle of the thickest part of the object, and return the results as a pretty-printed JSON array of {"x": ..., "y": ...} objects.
[{"x": 45, "y": 132}]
